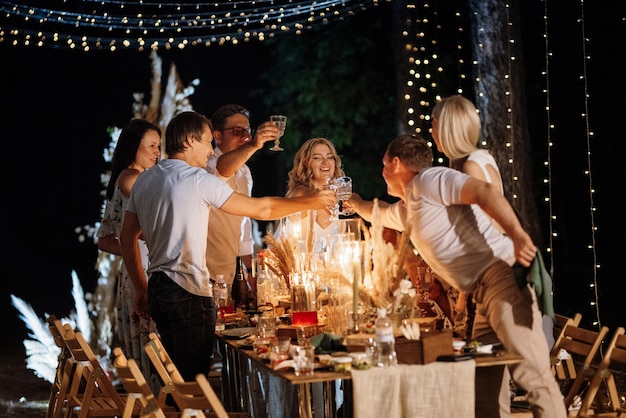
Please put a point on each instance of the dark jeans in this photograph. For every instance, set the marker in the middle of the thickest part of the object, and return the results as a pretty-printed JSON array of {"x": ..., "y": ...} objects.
[{"x": 186, "y": 325}]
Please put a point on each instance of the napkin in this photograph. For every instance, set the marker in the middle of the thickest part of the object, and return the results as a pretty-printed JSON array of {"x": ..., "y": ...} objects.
[{"x": 326, "y": 343}]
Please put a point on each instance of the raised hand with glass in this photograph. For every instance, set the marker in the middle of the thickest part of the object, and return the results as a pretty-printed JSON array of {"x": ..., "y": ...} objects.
[
  {"x": 343, "y": 190},
  {"x": 281, "y": 124}
]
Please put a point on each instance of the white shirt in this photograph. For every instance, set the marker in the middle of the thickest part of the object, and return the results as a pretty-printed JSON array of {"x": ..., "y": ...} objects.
[
  {"x": 457, "y": 241},
  {"x": 172, "y": 202}
]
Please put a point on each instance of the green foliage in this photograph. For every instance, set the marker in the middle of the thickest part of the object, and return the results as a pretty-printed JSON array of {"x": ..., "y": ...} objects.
[{"x": 338, "y": 83}]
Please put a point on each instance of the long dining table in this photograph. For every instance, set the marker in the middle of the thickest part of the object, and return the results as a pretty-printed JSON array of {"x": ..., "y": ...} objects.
[{"x": 435, "y": 389}]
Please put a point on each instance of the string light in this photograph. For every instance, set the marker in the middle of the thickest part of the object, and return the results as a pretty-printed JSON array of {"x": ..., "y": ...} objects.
[
  {"x": 549, "y": 128},
  {"x": 595, "y": 305},
  {"x": 140, "y": 25}
]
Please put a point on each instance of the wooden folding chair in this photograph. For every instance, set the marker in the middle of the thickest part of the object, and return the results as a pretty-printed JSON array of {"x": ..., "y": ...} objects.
[
  {"x": 59, "y": 390},
  {"x": 189, "y": 396},
  {"x": 615, "y": 354},
  {"x": 92, "y": 393},
  {"x": 138, "y": 390},
  {"x": 575, "y": 345}
]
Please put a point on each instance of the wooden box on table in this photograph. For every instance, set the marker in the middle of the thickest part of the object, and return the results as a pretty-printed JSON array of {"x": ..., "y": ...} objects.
[{"x": 423, "y": 351}]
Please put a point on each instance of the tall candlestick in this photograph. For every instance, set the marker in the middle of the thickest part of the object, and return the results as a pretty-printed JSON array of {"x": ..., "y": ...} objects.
[{"x": 356, "y": 276}]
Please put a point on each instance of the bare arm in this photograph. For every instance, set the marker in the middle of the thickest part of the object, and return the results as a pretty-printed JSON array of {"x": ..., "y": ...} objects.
[
  {"x": 110, "y": 244},
  {"x": 489, "y": 198},
  {"x": 473, "y": 169},
  {"x": 270, "y": 207},
  {"x": 131, "y": 254},
  {"x": 229, "y": 162}
]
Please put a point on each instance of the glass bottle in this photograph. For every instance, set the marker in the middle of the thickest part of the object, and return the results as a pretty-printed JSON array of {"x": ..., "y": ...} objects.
[
  {"x": 263, "y": 282},
  {"x": 240, "y": 286},
  {"x": 220, "y": 296},
  {"x": 385, "y": 341},
  {"x": 220, "y": 291}
]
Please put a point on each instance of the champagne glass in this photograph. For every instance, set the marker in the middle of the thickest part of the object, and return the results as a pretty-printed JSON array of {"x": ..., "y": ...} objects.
[
  {"x": 281, "y": 123},
  {"x": 344, "y": 191},
  {"x": 334, "y": 210}
]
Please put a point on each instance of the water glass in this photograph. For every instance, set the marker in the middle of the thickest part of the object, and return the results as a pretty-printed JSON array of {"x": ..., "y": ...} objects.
[
  {"x": 303, "y": 360},
  {"x": 305, "y": 333},
  {"x": 279, "y": 350},
  {"x": 266, "y": 326}
]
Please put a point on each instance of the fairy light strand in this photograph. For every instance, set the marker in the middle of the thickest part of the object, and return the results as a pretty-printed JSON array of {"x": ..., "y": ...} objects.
[
  {"x": 510, "y": 144},
  {"x": 125, "y": 25},
  {"x": 549, "y": 127},
  {"x": 588, "y": 136}
]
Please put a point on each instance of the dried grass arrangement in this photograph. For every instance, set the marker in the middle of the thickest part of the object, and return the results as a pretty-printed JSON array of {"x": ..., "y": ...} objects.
[
  {"x": 279, "y": 257},
  {"x": 383, "y": 266}
]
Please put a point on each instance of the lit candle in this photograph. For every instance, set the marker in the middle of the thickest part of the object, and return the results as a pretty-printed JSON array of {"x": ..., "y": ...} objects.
[{"x": 356, "y": 275}]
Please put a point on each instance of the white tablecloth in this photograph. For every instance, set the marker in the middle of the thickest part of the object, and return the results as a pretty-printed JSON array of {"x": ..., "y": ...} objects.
[{"x": 411, "y": 391}]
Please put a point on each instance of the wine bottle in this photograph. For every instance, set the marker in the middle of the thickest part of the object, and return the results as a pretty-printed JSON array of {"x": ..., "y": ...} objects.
[{"x": 240, "y": 286}]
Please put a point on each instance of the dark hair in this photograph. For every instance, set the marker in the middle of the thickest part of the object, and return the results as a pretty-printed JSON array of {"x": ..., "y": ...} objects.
[
  {"x": 218, "y": 118},
  {"x": 126, "y": 149},
  {"x": 181, "y": 127},
  {"x": 412, "y": 150}
]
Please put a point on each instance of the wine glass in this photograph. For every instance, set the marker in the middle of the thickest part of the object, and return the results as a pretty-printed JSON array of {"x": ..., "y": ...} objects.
[
  {"x": 425, "y": 276},
  {"x": 281, "y": 123}
]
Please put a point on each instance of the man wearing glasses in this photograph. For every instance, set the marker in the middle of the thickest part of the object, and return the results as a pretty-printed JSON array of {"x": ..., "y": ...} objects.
[{"x": 230, "y": 235}]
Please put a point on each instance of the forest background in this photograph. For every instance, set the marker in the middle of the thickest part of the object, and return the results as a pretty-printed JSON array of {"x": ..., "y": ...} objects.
[{"x": 342, "y": 82}]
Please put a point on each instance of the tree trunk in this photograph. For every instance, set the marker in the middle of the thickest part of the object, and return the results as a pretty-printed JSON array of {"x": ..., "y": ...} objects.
[{"x": 499, "y": 87}]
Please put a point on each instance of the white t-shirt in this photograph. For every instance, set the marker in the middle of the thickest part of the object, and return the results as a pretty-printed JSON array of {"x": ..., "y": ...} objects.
[
  {"x": 172, "y": 202},
  {"x": 457, "y": 241}
]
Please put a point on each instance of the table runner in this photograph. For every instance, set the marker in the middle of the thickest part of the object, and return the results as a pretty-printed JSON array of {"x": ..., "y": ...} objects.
[{"x": 411, "y": 391}]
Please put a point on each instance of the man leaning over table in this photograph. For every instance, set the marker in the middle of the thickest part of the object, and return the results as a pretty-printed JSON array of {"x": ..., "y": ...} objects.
[{"x": 447, "y": 211}]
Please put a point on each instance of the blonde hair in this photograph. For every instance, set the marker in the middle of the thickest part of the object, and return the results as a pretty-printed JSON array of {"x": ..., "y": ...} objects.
[
  {"x": 301, "y": 173},
  {"x": 459, "y": 126}
]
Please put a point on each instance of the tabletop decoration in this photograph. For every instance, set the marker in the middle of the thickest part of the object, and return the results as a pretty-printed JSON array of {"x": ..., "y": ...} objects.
[
  {"x": 382, "y": 262},
  {"x": 279, "y": 256},
  {"x": 354, "y": 274}
]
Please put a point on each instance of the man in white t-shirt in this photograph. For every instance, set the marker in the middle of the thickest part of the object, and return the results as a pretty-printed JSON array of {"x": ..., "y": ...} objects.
[
  {"x": 449, "y": 216},
  {"x": 169, "y": 204}
]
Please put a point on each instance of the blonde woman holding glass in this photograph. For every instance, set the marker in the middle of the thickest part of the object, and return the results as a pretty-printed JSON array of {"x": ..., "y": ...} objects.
[{"x": 315, "y": 163}]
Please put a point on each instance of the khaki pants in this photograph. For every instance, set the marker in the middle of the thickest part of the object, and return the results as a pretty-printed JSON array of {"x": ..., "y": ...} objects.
[{"x": 507, "y": 314}]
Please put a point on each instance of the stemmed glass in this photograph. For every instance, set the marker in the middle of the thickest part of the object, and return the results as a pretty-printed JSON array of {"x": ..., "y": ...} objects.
[
  {"x": 281, "y": 124},
  {"x": 343, "y": 190},
  {"x": 425, "y": 276}
]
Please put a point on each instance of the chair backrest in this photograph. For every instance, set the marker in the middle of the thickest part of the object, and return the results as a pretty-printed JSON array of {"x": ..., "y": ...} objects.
[
  {"x": 60, "y": 388},
  {"x": 560, "y": 321},
  {"x": 211, "y": 396},
  {"x": 614, "y": 355},
  {"x": 198, "y": 396},
  {"x": 136, "y": 386},
  {"x": 99, "y": 396},
  {"x": 189, "y": 396},
  {"x": 580, "y": 346},
  {"x": 163, "y": 365}
]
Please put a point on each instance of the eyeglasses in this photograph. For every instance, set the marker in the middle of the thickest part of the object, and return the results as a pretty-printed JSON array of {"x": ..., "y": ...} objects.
[{"x": 239, "y": 131}]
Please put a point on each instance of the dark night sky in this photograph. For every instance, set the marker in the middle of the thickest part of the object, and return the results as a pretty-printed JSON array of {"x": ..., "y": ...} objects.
[{"x": 57, "y": 104}]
